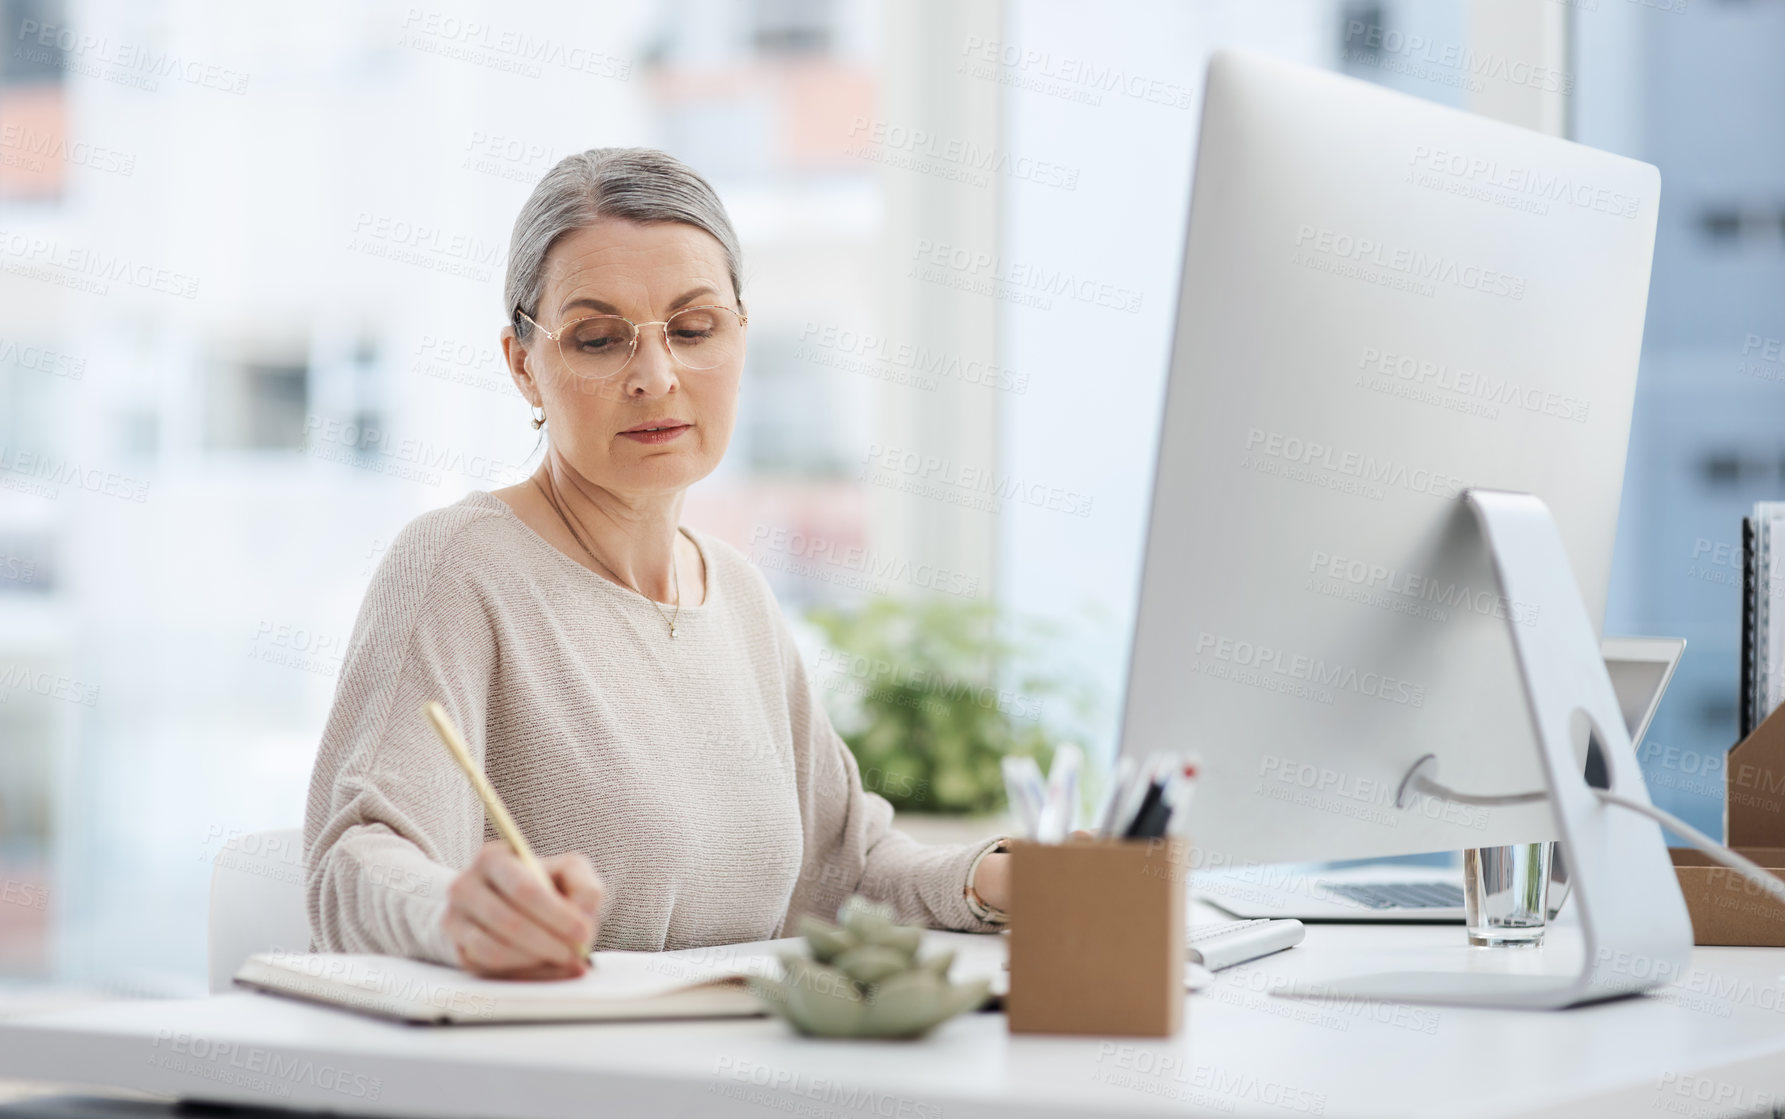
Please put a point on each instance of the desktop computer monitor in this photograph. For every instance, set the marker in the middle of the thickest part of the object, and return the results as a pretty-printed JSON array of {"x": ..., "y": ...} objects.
[
  {"x": 1639, "y": 669},
  {"x": 1384, "y": 302}
]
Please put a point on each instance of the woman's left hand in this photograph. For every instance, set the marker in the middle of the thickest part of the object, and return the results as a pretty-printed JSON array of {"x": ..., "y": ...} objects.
[{"x": 992, "y": 880}]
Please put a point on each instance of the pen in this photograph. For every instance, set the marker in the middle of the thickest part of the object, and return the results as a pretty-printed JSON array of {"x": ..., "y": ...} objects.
[
  {"x": 1128, "y": 809},
  {"x": 1024, "y": 789},
  {"x": 1163, "y": 806},
  {"x": 1180, "y": 807},
  {"x": 1062, "y": 793},
  {"x": 1105, "y": 818},
  {"x": 1150, "y": 820}
]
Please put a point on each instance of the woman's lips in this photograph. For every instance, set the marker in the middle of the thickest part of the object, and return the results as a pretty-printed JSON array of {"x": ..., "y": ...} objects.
[{"x": 663, "y": 433}]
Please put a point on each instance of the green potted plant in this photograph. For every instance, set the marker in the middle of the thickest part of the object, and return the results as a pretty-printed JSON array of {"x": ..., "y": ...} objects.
[{"x": 931, "y": 695}]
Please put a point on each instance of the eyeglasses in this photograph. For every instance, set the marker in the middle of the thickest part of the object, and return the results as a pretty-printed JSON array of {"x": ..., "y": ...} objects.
[{"x": 598, "y": 347}]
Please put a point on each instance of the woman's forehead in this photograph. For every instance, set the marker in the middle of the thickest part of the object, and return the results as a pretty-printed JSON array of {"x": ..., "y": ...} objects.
[{"x": 614, "y": 259}]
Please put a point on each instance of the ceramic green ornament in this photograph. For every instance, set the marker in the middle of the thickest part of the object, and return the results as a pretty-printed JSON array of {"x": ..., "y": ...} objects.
[{"x": 863, "y": 979}]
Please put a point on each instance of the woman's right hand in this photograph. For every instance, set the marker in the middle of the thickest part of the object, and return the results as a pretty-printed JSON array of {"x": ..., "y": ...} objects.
[{"x": 504, "y": 923}]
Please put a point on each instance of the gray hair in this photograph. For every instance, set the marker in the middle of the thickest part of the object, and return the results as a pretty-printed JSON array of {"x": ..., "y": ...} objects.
[{"x": 638, "y": 184}]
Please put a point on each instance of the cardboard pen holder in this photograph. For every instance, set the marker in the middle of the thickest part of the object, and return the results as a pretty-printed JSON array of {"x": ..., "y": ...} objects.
[
  {"x": 1097, "y": 937},
  {"x": 1725, "y": 907}
]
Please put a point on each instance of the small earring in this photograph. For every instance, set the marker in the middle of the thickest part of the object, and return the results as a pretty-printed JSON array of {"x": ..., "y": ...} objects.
[{"x": 539, "y": 420}]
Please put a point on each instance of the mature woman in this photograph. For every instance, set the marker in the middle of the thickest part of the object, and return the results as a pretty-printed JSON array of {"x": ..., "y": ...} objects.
[{"x": 628, "y": 684}]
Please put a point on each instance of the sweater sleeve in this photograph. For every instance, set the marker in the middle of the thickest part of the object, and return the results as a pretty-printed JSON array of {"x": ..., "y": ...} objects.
[
  {"x": 850, "y": 843},
  {"x": 390, "y": 818}
]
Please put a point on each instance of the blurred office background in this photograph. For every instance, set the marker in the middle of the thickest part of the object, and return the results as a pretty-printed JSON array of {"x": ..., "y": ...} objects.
[{"x": 250, "y": 270}]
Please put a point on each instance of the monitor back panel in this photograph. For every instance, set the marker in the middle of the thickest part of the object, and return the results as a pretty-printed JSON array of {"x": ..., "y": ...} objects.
[{"x": 1384, "y": 301}]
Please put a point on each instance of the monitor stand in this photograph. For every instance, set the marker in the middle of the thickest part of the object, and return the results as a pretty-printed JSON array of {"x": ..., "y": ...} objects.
[{"x": 1633, "y": 918}]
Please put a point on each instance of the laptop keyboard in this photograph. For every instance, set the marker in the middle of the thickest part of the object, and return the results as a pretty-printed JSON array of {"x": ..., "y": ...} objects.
[{"x": 1401, "y": 895}]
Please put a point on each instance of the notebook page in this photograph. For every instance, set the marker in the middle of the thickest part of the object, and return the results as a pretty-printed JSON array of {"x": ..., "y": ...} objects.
[{"x": 391, "y": 984}]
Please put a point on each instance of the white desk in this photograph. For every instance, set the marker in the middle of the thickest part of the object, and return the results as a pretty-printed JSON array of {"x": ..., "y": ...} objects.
[{"x": 1713, "y": 1045}]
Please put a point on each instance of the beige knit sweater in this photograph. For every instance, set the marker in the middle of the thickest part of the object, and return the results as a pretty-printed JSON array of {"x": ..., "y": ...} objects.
[{"x": 699, "y": 774}]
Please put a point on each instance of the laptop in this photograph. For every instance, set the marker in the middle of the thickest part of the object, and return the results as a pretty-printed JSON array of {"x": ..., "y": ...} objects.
[{"x": 1640, "y": 670}]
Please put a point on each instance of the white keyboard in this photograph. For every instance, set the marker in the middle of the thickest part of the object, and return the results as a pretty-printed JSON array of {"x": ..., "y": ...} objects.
[
  {"x": 1214, "y": 932},
  {"x": 1236, "y": 942}
]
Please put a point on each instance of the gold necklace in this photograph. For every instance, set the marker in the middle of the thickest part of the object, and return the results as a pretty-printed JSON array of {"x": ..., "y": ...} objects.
[{"x": 674, "y": 569}]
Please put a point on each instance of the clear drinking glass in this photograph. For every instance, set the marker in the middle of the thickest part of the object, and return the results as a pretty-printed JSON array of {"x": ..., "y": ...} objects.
[
  {"x": 1506, "y": 894},
  {"x": 1558, "y": 879}
]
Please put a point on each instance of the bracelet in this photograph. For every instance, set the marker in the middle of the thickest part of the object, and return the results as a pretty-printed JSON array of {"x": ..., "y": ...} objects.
[{"x": 975, "y": 904}]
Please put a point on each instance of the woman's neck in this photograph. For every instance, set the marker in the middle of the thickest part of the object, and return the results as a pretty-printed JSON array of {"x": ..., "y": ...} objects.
[{"x": 632, "y": 539}]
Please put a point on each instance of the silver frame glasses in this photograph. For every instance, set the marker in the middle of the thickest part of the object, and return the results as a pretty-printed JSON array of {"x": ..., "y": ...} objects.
[{"x": 638, "y": 329}]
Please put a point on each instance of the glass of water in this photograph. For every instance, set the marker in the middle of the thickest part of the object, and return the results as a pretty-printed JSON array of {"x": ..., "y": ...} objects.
[{"x": 1506, "y": 894}]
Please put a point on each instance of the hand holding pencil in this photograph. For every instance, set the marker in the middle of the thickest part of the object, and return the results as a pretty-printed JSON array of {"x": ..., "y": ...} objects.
[{"x": 511, "y": 915}]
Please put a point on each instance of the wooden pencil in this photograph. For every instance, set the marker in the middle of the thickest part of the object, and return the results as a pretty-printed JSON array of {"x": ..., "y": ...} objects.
[{"x": 492, "y": 804}]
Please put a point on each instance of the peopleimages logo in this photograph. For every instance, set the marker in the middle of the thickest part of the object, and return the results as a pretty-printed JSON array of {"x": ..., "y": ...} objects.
[
  {"x": 426, "y": 246},
  {"x": 1420, "y": 588},
  {"x": 1767, "y": 358},
  {"x": 463, "y": 363},
  {"x": 949, "y": 157},
  {"x": 34, "y": 147},
  {"x": 1312, "y": 670},
  {"x": 507, "y": 49},
  {"x": 1376, "y": 799},
  {"x": 255, "y": 1067},
  {"x": 1022, "y": 282},
  {"x": 1363, "y": 40},
  {"x": 1350, "y": 464},
  {"x": 863, "y": 351},
  {"x": 102, "y": 57},
  {"x": 1549, "y": 186},
  {"x": 1414, "y": 264},
  {"x": 1026, "y": 67},
  {"x": 25, "y": 678},
  {"x": 27, "y": 465},
  {"x": 1488, "y": 387},
  {"x": 414, "y": 459},
  {"x": 1769, "y": 349},
  {"x": 38, "y": 257},
  {"x": 781, "y": 1089},
  {"x": 42, "y": 360},
  {"x": 933, "y": 476},
  {"x": 878, "y": 674},
  {"x": 871, "y": 566}
]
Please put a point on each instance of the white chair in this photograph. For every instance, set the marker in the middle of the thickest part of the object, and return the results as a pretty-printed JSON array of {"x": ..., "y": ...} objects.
[{"x": 257, "y": 901}]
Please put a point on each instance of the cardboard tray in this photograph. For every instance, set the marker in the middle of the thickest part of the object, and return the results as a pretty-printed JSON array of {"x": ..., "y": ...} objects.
[{"x": 1726, "y": 908}]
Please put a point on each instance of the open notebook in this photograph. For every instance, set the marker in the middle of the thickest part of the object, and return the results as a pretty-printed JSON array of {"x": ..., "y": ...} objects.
[{"x": 696, "y": 983}]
